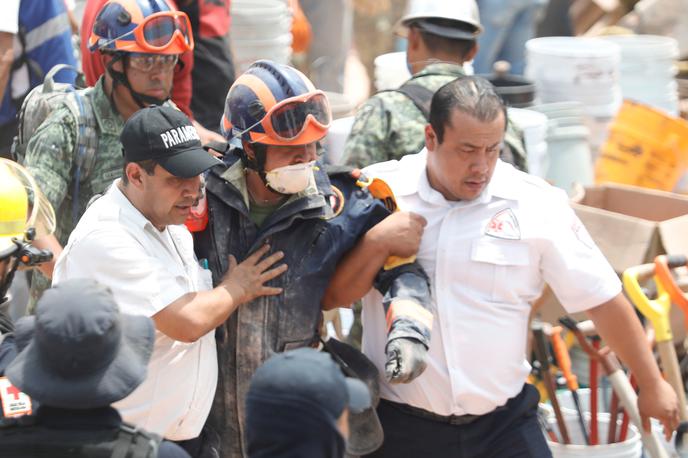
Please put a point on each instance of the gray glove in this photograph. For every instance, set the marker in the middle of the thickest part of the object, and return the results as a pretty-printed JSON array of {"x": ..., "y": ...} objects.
[{"x": 405, "y": 360}]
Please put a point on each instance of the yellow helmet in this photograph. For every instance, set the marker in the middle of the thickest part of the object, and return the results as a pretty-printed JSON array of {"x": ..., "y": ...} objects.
[{"x": 22, "y": 207}]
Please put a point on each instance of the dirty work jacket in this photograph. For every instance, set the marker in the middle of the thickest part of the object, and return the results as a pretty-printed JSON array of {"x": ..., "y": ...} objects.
[{"x": 314, "y": 230}]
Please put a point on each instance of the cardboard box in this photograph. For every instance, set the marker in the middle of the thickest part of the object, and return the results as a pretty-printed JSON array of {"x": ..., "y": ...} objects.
[{"x": 631, "y": 225}]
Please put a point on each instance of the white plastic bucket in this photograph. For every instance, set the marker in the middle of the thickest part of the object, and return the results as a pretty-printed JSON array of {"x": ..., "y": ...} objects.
[
  {"x": 576, "y": 69},
  {"x": 391, "y": 70},
  {"x": 569, "y": 157},
  {"x": 534, "y": 126},
  {"x": 336, "y": 139},
  {"x": 572, "y": 60},
  {"x": 568, "y": 408},
  {"x": 630, "y": 448},
  {"x": 647, "y": 70}
]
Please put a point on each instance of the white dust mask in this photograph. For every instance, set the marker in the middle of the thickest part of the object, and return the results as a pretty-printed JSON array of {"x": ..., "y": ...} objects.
[{"x": 290, "y": 179}]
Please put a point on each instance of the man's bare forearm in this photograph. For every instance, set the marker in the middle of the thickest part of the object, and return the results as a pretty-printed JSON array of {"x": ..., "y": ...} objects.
[
  {"x": 617, "y": 323},
  {"x": 48, "y": 242}
]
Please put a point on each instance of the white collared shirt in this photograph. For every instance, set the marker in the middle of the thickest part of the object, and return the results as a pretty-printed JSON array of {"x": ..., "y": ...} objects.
[
  {"x": 487, "y": 259},
  {"x": 147, "y": 270}
]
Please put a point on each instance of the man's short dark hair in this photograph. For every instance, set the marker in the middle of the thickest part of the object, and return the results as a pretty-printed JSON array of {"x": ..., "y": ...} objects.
[
  {"x": 472, "y": 95},
  {"x": 148, "y": 166},
  {"x": 437, "y": 43}
]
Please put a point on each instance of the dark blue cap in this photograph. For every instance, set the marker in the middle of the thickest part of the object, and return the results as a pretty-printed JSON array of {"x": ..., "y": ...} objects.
[{"x": 314, "y": 377}]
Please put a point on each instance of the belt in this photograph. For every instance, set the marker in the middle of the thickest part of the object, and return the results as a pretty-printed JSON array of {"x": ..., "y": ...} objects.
[{"x": 454, "y": 420}]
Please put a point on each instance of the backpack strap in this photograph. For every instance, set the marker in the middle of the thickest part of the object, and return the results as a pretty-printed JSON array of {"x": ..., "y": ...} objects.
[
  {"x": 418, "y": 94},
  {"x": 139, "y": 443},
  {"x": 86, "y": 144}
]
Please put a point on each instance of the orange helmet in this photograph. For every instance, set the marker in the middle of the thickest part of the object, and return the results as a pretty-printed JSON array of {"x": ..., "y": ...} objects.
[
  {"x": 141, "y": 26},
  {"x": 275, "y": 104}
]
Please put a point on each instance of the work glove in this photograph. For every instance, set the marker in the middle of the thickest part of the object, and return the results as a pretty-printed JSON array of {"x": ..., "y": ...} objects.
[{"x": 406, "y": 359}]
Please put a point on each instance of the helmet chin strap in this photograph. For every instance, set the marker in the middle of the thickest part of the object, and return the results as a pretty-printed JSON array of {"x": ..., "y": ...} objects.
[
  {"x": 257, "y": 165},
  {"x": 142, "y": 100}
]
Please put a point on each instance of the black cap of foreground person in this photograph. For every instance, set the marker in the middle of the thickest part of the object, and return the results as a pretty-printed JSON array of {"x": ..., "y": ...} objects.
[
  {"x": 79, "y": 352},
  {"x": 167, "y": 136},
  {"x": 295, "y": 402}
]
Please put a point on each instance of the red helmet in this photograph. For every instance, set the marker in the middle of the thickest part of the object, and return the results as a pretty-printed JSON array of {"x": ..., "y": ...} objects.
[
  {"x": 141, "y": 26},
  {"x": 275, "y": 104}
]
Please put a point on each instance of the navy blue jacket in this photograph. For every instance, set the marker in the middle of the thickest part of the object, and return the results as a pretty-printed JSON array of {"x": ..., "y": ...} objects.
[{"x": 314, "y": 232}]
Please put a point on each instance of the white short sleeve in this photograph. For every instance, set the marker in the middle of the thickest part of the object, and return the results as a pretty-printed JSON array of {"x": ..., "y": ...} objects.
[
  {"x": 9, "y": 19},
  {"x": 142, "y": 284},
  {"x": 573, "y": 265}
]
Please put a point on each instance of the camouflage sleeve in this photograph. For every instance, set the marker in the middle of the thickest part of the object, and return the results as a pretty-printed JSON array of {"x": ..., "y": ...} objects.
[
  {"x": 49, "y": 154},
  {"x": 367, "y": 142},
  {"x": 407, "y": 302},
  {"x": 515, "y": 151}
]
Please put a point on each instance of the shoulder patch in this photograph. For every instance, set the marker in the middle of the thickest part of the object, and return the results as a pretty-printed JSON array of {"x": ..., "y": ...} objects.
[
  {"x": 14, "y": 402},
  {"x": 336, "y": 201}
]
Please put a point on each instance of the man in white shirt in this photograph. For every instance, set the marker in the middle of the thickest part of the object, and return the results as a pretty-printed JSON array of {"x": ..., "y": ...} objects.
[
  {"x": 131, "y": 239},
  {"x": 494, "y": 236}
]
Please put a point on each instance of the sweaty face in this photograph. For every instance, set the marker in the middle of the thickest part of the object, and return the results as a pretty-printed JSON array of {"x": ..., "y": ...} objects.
[
  {"x": 281, "y": 156},
  {"x": 462, "y": 165},
  {"x": 169, "y": 198},
  {"x": 155, "y": 81}
]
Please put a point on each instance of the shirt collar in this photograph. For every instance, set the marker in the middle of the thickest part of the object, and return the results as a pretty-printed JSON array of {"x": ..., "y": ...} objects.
[
  {"x": 132, "y": 213},
  {"x": 109, "y": 121},
  {"x": 500, "y": 185}
]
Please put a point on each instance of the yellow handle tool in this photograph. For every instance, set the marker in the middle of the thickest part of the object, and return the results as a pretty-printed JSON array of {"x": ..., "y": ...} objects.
[{"x": 657, "y": 311}]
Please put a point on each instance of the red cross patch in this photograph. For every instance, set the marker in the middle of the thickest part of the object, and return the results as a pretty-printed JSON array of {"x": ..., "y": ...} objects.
[
  {"x": 504, "y": 225},
  {"x": 14, "y": 402}
]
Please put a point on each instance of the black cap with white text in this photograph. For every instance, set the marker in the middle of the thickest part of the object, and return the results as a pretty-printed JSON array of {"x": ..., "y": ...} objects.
[{"x": 166, "y": 135}]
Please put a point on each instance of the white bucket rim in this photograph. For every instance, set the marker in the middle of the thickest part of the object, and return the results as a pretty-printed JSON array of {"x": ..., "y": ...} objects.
[
  {"x": 653, "y": 47},
  {"x": 566, "y": 47}
]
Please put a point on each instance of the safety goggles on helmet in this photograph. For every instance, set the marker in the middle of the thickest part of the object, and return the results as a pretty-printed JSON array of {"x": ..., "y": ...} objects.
[
  {"x": 145, "y": 62},
  {"x": 165, "y": 32},
  {"x": 292, "y": 118}
]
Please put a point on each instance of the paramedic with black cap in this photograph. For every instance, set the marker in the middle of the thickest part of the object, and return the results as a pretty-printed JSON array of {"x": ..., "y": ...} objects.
[{"x": 132, "y": 240}]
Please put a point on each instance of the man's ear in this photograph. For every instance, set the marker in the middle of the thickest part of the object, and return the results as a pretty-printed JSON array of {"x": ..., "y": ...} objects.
[
  {"x": 248, "y": 149},
  {"x": 134, "y": 174},
  {"x": 414, "y": 38},
  {"x": 105, "y": 59},
  {"x": 430, "y": 138},
  {"x": 470, "y": 55}
]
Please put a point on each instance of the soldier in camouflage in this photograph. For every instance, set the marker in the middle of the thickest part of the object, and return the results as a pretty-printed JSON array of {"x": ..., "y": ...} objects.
[
  {"x": 137, "y": 74},
  {"x": 441, "y": 37}
]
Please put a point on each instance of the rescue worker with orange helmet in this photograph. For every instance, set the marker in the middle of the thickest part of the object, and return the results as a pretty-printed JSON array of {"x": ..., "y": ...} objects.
[
  {"x": 335, "y": 227},
  {"x": 76, "y": 152}
]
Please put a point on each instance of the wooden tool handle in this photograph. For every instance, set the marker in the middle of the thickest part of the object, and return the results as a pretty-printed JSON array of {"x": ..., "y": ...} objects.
[{"x": 672, "y": 372}]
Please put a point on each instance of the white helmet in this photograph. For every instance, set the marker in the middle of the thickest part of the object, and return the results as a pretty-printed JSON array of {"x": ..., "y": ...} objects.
[{"x": 422, "y": 13}]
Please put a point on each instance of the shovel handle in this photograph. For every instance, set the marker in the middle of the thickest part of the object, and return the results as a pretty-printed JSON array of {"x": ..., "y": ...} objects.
[
  {"x": 561, "y": 353},
  {"x": 672, "y": 372},
  {"x": 542, "y": 356},
  {"x": 655, "y": 310},
  {"x": 629, "y": 400},
  {"x": 664, "y": 264}
]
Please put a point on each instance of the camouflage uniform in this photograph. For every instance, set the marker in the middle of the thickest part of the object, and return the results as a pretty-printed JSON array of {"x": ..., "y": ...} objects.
[
  {"x": 389, "y": 125},
  {"x": 50, "y": 157}
]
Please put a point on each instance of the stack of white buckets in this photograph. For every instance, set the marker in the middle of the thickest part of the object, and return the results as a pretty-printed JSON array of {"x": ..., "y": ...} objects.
[
  {"x": 581, "y": 70},
  {"x": 648, "y": 70},
  {"x": 261, "y": 29}
]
